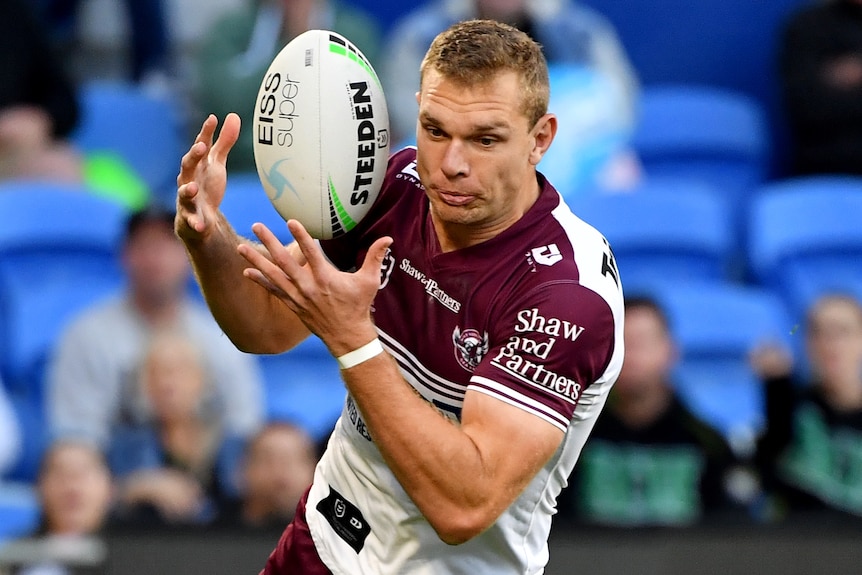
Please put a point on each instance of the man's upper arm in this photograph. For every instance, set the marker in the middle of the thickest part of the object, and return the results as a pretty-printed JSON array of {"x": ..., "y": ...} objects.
[
  {"x": 514, "y": 443},
  {"x": 546, "y": 352}
]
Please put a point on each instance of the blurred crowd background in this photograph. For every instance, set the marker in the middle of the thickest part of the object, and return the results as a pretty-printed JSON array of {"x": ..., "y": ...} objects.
[{"x": 718, "y": 146}]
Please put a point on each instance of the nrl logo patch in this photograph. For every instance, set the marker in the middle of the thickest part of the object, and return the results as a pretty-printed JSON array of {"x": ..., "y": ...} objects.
[{"x": 470, "y": 347}]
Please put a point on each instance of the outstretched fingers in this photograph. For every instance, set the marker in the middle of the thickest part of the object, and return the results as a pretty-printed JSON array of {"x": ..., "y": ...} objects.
[
  {"x": 307, "y": 245},
  {"x": 274, "y": 272},
  {"x": 226, "y": 138},
  {"x": 198, "y": 151},
  {"x": 189, "y": 163}
]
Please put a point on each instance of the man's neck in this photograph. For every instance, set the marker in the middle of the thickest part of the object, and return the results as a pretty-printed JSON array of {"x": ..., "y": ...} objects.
[
  {"x": 156, "y": 312},
  {"x": 845, "y": 397},
  {"x": 641, "y": 410}
]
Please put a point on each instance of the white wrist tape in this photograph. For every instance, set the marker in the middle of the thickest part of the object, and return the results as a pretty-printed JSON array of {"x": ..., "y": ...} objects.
[{"x": 357, "y": 356}]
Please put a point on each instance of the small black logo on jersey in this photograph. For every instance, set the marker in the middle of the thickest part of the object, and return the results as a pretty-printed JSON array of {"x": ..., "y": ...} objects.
[
  {"x": 470, "y": 347},
  {"x": 386, "y": 268},
  {"x": 345, "y": 518}
]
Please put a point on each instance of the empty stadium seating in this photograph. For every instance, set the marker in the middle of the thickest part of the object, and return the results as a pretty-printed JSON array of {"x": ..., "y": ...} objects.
[
  {"x": 716, "y": 325},
  {"x": 245, "y": 202},
  {"x": 19, "y": 511},
  {"x": 667, "y": 229},
  {"x": 709, "y": 134},
  {"x": 304, "y": 386},
  {"x": 805, "y": 237},
  {"x": 58, "y": 253},
  {"x": 147, "y": 131}
]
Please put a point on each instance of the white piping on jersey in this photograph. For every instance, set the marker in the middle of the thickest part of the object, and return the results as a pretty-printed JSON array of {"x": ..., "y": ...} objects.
[
  {"x": 519, "y": 400},
  {"x": 411, "y": 367},
  {"x": 523, "y": 379}
]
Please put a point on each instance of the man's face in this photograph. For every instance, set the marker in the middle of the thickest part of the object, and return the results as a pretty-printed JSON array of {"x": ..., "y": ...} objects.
[
  {"x": 174, "y": 381},
  {"x": 156, "y": 262},
  {"x": 649, "y": 353},
  {"x": 279, "y": 468},
  {"x": 75, "y": 489},
  {"x": 476, "y": 152},
  {"x": 835, "y": 342}
]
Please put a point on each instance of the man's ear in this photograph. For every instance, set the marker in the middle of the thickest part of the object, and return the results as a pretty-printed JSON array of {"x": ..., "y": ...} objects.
[{"x": 543, "y": 134}]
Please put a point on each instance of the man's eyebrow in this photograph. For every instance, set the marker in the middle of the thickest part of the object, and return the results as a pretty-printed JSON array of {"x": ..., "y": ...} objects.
[
  {"x": 490, "y": 127},
  {"x": 426, "y": 117},
  {"x": 477, "y": 129}
]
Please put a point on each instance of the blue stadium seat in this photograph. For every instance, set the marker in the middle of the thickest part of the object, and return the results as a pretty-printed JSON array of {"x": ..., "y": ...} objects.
[
  {"x": 716, "y": 325},
  {"x": 667, "y": 229},
  {"x": 245, "y": 202},
  {"x": 805, "y": 237},
  {"x": 591, "y": 133},
  {"x": 712, "y": 134},
  {"x": 30, "y": 411},
  {"x": 146, "y": 131},
  {"x": 58, "y": 253},
  {"x": 19, "y": 511},
  {"x": 304, "y": 386}
]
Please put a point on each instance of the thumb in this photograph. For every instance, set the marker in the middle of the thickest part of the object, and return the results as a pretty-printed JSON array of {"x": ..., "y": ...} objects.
[{"x": 374, "y": 257}]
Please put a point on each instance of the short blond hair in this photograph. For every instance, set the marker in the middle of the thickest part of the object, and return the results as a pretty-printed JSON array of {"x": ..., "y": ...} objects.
[{"x": 475, "y": 51}]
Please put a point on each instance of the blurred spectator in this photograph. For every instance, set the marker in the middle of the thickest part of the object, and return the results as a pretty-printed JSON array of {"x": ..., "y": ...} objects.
[
  {"x": 177, "y": 468},
  {"x": 92, "y": 376},
  {"x": 277, "y": 469},
  {"x": 38, "y": 104},
  {"x": 146, "y": 60},
  {"x": 10, "y": 433},
  {"x": 236, "y": 53},
  {"x": 651, "y": 461},
  {"x": 76, "y": 495},
  {"x": 568, "y": 32},
  {"x": 811, "y": 452},
  {"x": 75, "y": 490},
  {"x": 821, "y": 77}
]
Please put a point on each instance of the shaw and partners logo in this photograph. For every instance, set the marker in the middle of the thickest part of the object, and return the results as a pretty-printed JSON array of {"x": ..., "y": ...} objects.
[
  {"x": 524, "y": 354},
  {"x": 431, "y": 286},
  {"x": 470, "y": 347}
]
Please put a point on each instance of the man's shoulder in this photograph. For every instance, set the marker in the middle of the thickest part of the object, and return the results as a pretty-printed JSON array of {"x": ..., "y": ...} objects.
[
  {"x": 402, "y": 176},
  {"x": 580, "y": 250},
  {"x": 200, "y": 324},
  {"x": 103, "y": 313}
]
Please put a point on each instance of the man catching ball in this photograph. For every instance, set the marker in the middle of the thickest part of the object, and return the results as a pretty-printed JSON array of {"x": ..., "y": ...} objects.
[{"x": 477, "y": 322}]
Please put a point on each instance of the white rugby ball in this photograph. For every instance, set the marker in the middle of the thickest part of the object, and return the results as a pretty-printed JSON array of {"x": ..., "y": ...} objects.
[{"x": 321, "y": 133}]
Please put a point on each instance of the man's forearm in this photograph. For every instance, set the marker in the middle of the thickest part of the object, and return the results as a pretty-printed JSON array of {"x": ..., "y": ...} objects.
[
  {"x": 253, "y": 319},
  {"x": 461, "y": 479}
]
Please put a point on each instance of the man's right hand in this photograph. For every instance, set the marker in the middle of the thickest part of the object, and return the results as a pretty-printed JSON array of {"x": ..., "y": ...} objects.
[{"x": 203, "y": 178}]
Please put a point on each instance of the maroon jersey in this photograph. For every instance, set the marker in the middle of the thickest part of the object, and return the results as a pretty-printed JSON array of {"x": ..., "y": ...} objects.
[{"x": 531, "y": 316}]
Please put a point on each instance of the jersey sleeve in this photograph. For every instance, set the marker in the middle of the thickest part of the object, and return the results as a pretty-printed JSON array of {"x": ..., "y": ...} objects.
[{"x": 546, "y": 350}]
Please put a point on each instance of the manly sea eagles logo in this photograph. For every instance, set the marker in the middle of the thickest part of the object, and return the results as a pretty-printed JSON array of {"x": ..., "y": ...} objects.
[{"x": 470, "y": 347}]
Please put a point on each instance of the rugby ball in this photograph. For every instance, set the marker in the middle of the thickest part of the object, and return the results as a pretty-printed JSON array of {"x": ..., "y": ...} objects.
[{"x": 321, "y": 133}]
